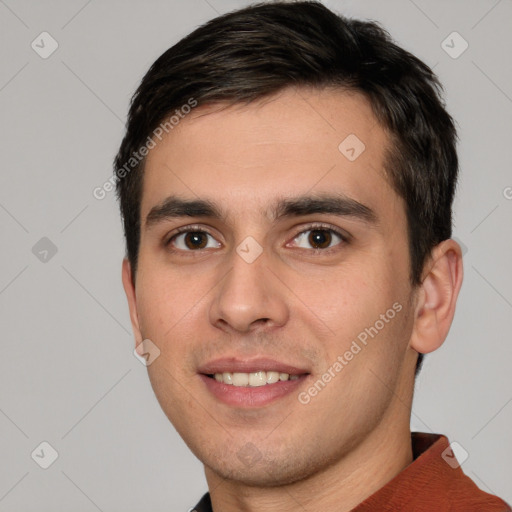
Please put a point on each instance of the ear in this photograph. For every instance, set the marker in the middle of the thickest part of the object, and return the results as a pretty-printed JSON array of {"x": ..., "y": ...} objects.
[
  {"x": 129, "y": 289},
  {"x": 436, "y": 298}
]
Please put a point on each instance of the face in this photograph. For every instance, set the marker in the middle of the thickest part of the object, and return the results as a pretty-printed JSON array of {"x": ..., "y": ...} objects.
[{"x": 273, "y": 277}]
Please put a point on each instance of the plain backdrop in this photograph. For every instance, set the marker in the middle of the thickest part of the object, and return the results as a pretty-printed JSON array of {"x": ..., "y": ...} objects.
[{"x": 68, "y": 375}]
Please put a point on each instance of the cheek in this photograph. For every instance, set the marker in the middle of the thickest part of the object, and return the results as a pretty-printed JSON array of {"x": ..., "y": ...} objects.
[
  {"x": 364, "y": 308},
  {"x": 172, "y": 306},
  {"x": 346, "y": 298},
  {"x": 166, "y": 299}
]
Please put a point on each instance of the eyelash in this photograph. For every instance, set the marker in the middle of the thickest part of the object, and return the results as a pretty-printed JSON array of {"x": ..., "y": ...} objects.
[{"x": 313, "y": 227}]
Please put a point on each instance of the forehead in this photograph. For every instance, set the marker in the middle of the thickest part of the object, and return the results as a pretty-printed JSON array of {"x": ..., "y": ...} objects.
[{"x": 293, "y": 143}]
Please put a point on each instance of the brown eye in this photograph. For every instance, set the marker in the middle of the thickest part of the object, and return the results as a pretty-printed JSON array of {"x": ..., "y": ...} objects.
[
  {"x": 193, "y": 241},
  {"x": 320, "y": 238}
]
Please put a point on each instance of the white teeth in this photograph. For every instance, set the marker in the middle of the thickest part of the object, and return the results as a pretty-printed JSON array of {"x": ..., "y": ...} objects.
[
  {"x": 257, "y": 379},
  {"x": 240, "y": 379},
  {"x": 253, "y": 379},
  {"x": 272, "y": 377}
]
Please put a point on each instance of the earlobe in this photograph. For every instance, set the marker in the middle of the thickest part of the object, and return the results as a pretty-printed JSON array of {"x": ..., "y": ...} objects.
[
  {"x": 437, "y": 297},
  {"x": 129, "y": 289}
]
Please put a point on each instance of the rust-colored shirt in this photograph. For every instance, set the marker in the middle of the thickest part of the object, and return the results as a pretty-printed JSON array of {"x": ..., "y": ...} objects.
[{"x": 433, "y": 482}]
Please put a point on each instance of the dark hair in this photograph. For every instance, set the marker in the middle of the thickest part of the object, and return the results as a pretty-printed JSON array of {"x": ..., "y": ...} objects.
[{"x": 259, "y": 50}]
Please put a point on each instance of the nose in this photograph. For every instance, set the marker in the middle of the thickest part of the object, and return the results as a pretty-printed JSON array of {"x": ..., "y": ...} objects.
[{"x": 249, "y": 297}]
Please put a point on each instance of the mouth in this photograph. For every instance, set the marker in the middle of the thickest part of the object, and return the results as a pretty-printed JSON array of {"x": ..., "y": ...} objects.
[{"x": 253, "y": 383}]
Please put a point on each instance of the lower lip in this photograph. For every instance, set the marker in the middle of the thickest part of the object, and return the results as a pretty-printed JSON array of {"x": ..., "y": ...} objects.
[{"x": 247, "y": 396}]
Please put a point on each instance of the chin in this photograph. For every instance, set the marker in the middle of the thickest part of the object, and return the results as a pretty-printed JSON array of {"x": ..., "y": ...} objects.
[{"x": 256, "y": 469}]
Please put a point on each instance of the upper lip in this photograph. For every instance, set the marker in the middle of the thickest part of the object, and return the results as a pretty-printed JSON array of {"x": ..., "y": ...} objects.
[{"x": 239, "y": 365}]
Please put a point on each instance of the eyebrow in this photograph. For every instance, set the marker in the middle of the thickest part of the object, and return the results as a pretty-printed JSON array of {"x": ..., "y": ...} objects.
[
  {"x": 334, "y": 204},
  {"x": 338, "y": 204}
]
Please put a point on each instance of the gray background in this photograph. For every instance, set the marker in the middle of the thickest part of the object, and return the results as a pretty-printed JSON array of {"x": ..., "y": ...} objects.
[{"x": 68, "y": 374}]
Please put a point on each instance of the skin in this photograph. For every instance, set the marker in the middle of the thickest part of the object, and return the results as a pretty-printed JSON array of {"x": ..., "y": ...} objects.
[{"x": 295, "y": 303}]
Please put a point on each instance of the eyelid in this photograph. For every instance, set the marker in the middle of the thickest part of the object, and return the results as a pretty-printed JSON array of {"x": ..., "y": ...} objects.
[{"x": 345, "y": 237}]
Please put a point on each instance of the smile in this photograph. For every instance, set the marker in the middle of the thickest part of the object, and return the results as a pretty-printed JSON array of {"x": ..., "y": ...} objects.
[{"x": 251, "y": 383}]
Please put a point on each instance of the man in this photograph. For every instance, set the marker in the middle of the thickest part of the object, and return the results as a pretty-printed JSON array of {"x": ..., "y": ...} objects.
[{"x": 286, "y": 184}]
